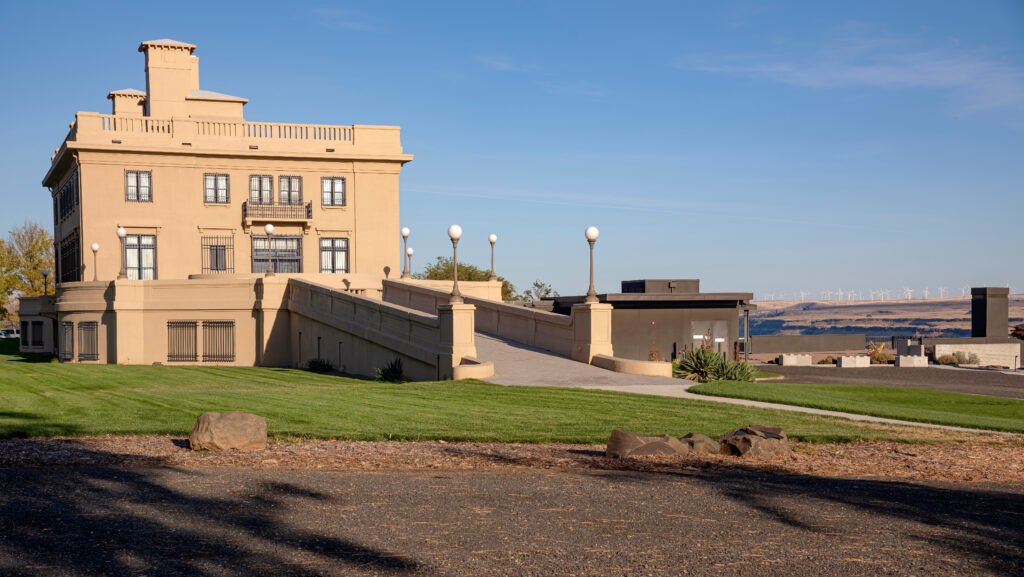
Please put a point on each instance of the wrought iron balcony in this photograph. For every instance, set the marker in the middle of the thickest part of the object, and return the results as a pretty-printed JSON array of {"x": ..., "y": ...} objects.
[{"x": 277, "y": 212}]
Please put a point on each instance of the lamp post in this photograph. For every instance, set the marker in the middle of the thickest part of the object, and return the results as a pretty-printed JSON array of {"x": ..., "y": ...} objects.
[
  {"x": 46, "y": 274},
  {"x": 121, "y": 233},
  {"x": 492, "y": 239},
  {"x": 408, "y": 256},
  {"x": 269, "y": 229},
  {"x": 455, "y": 233},
  {"x": 405, "y": 248},
  {"x": 95, "y": 249},
  {"x": 591, "y": 234}
]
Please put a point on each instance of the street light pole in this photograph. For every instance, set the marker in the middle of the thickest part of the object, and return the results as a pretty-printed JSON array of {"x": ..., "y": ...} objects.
[
  {"x": 455, "y": 233},
  {"x": 405, "y": 249},
  {"x": 269, "y": 229},
  {"x": 121, "y": 233},
  {"x": 46, "y": 274},
  {"x": 408, "y": 256},
  {"x": 493, "y": 239},
  {"x": 95, "y": 249},
  {"x": 591, "y": 233}
]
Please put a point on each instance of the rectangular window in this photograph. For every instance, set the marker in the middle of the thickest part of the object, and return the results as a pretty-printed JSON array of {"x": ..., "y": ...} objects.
[
  {"x": 216, "y": 188},
  {"x": 67, "y": 197},
  {"x": 218, "y": 341},
  {"x": 24, "y": 333},
  {"x": 218, "y": 253},
  {"x": 70, "y": 259},
  {"x": 261, "y": 189},
  {"x": 137, "y": 186},
  {"x": 37, "y": 333},
  {"x": 334, "y": 255},
  {"x": 67, "y": 340},
  {"x": 333, "y": 191},
  {"x": 287, "y": 254},
  {"x": 181, "y": 341},
  {"x": 290, "y": 189},
  {"x": 140, "y": 256},
  {"x": 88, "y": 341}
]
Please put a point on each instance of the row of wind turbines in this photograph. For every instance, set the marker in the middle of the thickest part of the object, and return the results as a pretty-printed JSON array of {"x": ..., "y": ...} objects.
[{"x": 882, "y": 294}]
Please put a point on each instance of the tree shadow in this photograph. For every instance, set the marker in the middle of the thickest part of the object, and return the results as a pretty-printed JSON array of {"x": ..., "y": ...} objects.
[
  {"x": 23, "y": 425},
  {"x": 158, "y": 520}
]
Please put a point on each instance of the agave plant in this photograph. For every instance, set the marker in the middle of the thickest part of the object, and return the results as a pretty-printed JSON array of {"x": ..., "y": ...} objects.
[
  {"x": 699, "y": 364},
  {"x": 735, "y": 371}
]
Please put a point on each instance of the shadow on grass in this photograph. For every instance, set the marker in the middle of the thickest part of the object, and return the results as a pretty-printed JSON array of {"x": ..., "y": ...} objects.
[
  {"x": 23, "y": 425},
  {"x": 32, "y": 358},
  {"x": 107, "y": 520}
]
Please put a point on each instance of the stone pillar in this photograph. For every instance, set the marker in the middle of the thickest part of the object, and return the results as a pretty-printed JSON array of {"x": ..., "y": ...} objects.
[
  {"x": 458, "y": 334},
  {"x": 129, "y": 323},
  {"x": 591, "y": 331},
  {"x": 990, "y": 312}
]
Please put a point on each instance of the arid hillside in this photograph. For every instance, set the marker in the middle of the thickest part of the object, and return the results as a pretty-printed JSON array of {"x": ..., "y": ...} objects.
[{"x": 949, "y": 317}]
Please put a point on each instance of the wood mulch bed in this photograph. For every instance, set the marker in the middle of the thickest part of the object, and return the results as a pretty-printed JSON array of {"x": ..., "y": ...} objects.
[{"x": 987, "y": 458}]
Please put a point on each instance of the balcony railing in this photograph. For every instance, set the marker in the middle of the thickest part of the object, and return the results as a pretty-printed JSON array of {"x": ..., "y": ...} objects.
[{"x": 291, "y": 212}]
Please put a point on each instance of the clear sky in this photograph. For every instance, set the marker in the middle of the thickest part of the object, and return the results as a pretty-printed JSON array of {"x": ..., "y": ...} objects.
[{"x": 772, "y": 147}]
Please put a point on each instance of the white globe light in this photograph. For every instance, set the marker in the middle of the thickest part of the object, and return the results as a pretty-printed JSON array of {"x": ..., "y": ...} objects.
[
  {"x": 269, "y": 229},
  {"x": 95, "y": 247},
  {"x": 408, "y": 251},
  {"x": 121, "y": 232},
  {"x": 493, "y": 238},
  {"x": 455, "y": 232},
  {"x": 405, "y": 232},
  {"x": 591, "y": 233}
]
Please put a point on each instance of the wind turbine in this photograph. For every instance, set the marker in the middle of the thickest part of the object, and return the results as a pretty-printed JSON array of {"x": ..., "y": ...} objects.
[
  {"x": 964, "y": 289},
  {"x": 942, "y": 292},
  {"x": 908, "y": 293},
  {"x": 925, "y": 292}
]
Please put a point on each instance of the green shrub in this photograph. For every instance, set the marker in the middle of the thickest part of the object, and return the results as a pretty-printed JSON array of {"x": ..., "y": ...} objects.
[
  {"x": 319, "y": 365},
  {"x": 963, "y": 358},
  {"x": 697, "y": 365},
  {"x": 946, "y": 360},
  {"x": 706, "y": 365},
  {"x": 392, "y": 372},
  {"x": 881, "y": 358}
]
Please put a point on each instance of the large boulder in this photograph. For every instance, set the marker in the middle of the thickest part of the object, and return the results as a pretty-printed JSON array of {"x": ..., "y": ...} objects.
[
  {"x": 229, "y": 431},
  {"x": 624, "y": 444},
  {"x": 700, "y": 443},
  {"x": 755, "y": 441}
]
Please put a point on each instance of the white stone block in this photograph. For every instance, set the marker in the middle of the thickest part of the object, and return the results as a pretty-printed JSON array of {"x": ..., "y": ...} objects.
[
  {"x": 857, "y": 361},
  {"x": 911, "y": 361},
  {"x": 795, "y": 360}
]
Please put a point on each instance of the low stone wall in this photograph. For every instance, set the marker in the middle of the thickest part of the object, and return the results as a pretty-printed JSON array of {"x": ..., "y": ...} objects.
[
  {"x": 633, "y": 367},
  {"x": 853, "y": 362},
  {"x": 911, "y": 361},
  {"x": 580, "y": 335},
  {"x": 794, "y": 360},
  {"x": 989, "y": 354}
]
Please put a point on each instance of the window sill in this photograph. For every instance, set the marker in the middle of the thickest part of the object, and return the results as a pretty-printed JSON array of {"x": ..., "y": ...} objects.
[
  {"x": 333, "y": 207},
  {"x": 223, "y": 204}
]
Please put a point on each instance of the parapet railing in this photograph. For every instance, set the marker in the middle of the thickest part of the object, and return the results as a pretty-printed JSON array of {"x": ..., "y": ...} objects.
[
  {"x": 277, "y": 211},
  {"x": 221, "y": 128}
]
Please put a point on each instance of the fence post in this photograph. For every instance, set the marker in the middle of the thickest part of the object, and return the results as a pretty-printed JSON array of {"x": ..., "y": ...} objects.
[
  {"x": 457, "y": 336},
  {"x": 591, "y": 331}
]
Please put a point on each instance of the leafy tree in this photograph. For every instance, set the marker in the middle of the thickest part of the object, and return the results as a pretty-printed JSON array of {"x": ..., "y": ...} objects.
[
  {"x": 538, "y": 291},
  {"x": 442, "y": 269},
  {"x": 24, "y": 255}
]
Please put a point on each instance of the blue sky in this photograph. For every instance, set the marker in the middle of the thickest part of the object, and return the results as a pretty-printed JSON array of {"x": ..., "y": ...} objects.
[{"x": 772, "y": 147}]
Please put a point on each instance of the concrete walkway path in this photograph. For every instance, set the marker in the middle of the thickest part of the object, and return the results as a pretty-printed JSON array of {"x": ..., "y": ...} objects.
[{"x": 516, "y": 364}]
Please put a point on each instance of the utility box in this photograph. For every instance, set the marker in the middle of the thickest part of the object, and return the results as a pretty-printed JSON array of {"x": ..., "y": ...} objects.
[{"x": 990, "y": 312}]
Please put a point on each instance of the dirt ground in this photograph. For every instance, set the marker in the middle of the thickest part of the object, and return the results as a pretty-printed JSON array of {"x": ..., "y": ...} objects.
[{"x": 104, "y": 506}]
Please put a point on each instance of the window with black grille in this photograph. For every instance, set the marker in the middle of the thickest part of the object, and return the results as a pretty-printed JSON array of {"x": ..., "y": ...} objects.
[
  {"x": 290, "y": 189},
  {"x": 261, "y": 189},
  {"x": 333, "y": 255},
  {"x": 218, "y": 341},
  {"x": 70, "y": 258},
  {"x": 218, "y": 253},
  {"x": 67, "y": 340},
  {"x": 181, "y": 341},
  {"x": 88, "y": 341},
  {"x": 287, "y": 254},
  {"x": 138, "y": 186},
  {"x": 333, "y": 191}
]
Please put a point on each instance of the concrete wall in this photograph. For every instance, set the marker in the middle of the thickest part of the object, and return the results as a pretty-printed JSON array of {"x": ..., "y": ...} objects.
[
  {"x": 995, "y": 354},
  {"x": 806, "y": 343},
  {"x": 278, "y": 321},
  {"x": 637, "y": 333},
  {"x": 37, "y": 314}
]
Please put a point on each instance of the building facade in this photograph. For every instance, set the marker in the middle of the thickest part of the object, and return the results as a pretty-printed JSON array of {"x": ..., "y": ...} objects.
[{"x": 193, "y": 184}]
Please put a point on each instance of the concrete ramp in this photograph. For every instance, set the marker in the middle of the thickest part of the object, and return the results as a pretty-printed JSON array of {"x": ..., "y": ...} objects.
[{"x": 522, "y": 365}]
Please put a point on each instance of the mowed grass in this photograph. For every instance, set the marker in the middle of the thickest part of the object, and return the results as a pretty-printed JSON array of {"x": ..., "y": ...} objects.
[
  {"x": 921, "y": 405},
  {"x": 51, "y": 399}
]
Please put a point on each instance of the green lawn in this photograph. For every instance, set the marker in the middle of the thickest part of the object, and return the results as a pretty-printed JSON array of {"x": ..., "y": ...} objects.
[
  {"x": 920, "y": 405},
  {"x": 46, "y": 399}
]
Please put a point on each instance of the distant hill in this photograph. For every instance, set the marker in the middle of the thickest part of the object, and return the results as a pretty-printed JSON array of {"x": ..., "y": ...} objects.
[{"x": 948, "y": 317}]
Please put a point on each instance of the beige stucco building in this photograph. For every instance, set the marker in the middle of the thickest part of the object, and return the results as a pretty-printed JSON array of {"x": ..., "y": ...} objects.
[{"x": 193, "y": 184}]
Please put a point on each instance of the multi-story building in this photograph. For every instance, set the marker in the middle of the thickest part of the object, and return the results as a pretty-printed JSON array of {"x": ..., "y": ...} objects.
[{"x": 193, "y": 184}]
